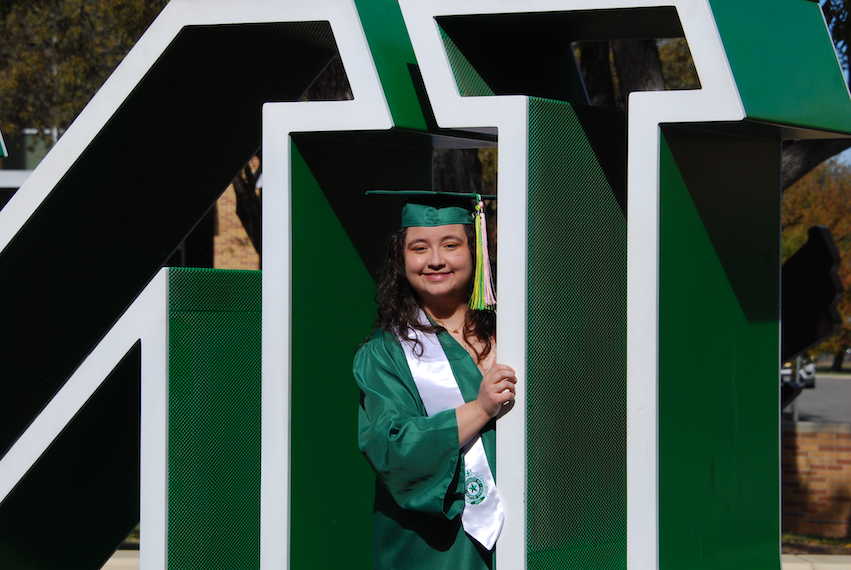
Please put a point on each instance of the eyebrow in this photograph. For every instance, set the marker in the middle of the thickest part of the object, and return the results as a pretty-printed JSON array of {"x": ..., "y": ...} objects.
[{"x": 451, "y": 237}]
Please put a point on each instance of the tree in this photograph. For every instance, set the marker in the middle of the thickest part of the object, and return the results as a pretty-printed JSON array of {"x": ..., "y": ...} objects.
[
  {"x": 55, "y": 54},
  {"x": 613, "y": 70},
  {"x": 823, "y": 197},
  {"x": 799, "y": 157},
  {"x": 836, "y": 12},
  {"x": 249, "y": 203}
]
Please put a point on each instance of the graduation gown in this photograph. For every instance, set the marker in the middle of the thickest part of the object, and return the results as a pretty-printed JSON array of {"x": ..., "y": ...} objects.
[{"x": 419, "y": 488}]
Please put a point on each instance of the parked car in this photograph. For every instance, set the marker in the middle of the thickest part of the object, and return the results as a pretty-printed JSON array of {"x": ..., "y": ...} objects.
[{"x": 792, "y": 384}]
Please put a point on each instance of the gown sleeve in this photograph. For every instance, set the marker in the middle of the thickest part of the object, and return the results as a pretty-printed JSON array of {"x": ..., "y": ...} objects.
[{"x": 415, "y": 456}]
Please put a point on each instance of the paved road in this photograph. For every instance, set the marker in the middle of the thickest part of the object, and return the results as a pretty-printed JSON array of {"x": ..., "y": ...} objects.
[{"x": 829, "y": 401}]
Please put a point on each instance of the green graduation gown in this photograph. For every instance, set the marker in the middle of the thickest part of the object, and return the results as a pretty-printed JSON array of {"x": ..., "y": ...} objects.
[{"x": 419, "y": 488}]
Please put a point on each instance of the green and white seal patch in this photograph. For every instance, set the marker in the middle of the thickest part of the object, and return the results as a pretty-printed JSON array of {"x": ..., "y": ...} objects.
[{"x": 475, "y": 489}]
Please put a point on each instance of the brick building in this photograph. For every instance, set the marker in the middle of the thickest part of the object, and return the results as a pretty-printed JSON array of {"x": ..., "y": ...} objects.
[
  {"x": 816, "y": 460},
  {"x": 232, "y": 249}
]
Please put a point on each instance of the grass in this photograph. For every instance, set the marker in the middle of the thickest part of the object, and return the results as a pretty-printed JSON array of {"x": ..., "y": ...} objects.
[{"x": 803, "y": 544}]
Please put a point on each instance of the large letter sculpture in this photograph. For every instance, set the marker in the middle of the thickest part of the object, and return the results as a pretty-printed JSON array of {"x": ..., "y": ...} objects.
[{"x": 620, "y": 255}]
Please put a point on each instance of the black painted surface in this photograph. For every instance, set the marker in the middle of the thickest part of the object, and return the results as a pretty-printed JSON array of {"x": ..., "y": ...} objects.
[
  {"x": 729, "y": 176},
  {"x": 81, "y": 499},
  {"x": 138, "y": 189},
  {"x": 531, "y": 54},
  {"x": 810, "y": 293}
]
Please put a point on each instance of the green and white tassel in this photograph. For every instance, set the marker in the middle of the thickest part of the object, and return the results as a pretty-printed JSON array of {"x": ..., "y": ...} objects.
[{"x": 483, "y": 296}]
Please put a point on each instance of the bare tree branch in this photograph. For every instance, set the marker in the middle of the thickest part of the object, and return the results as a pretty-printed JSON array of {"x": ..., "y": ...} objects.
[
  {"x": 597, "y": 72},
  {"x": 249, "y": 205},
  {"x": 638, "y": 66},
  {"x": 800, "y": 157},
  {"x": 457, "y": 170}
]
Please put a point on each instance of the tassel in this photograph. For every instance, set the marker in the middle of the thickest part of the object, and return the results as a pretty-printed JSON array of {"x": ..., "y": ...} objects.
[{"x": 483, "y": 296}]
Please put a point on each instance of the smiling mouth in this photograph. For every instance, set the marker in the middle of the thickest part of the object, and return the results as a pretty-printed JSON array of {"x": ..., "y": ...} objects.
[{"x": 436, "y": 276}]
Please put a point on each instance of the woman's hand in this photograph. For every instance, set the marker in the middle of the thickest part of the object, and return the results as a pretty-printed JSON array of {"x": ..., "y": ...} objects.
[{"x": 496, "y": 390}]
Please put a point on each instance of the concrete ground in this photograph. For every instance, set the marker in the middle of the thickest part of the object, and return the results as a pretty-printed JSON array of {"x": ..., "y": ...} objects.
[
  {"x": 129, "y": 560},
  {"x": 123, "y": 560},
  {"x": 816, "y": 562}
]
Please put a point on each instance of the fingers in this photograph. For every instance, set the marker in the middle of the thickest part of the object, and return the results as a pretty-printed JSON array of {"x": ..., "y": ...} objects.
[
  {"x": 498, "y": 388},
  {"x": 497, "y": 366},
  {"x": 499, "y": 372},
  {"x": 502, "y": 384}
]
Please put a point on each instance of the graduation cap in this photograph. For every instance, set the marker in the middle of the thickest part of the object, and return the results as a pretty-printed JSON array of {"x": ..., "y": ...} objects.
[{"x": 428, "y": 208}]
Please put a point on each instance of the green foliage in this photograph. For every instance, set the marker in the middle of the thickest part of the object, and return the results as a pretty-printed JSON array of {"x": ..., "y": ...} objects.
[
  {"x": 6, "y": 6},
  {"x": 677, "y": 64},
  {"x": 823, "y": 198},
  {"x": 55, "y": 54},
  {"x": 488, "y": 158}
]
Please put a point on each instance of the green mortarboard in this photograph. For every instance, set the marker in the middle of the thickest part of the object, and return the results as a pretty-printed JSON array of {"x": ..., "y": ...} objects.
[{"x": 427, "y": 208}]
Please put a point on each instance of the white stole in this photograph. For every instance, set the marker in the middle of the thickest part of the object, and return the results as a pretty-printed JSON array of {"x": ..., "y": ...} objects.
[{"x": 483, "y": 514}]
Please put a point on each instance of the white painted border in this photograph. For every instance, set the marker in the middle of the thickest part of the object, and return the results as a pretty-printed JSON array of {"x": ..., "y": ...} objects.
[
  {"x": 176, "y": 15},
  {"x": 153, "y": 456},
  {"x": 145, "y": 320},
  {"x": 367, "y": 111},
  {"x": 717, "y": 100}
]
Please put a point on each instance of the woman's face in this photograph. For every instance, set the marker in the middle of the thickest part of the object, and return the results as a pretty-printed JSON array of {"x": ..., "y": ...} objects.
[{"x": 438, "y": 264}]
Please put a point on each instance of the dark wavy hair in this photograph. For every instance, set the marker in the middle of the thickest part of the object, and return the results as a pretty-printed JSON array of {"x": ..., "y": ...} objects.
[{"x": 399, "y": 305}]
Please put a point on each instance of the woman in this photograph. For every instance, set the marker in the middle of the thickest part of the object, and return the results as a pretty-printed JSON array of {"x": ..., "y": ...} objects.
[{"x": 430, "y": 393}]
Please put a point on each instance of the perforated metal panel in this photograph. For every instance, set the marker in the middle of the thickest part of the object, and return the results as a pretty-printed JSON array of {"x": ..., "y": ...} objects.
[
  {"x": 470, "y": 83},
  {"x": 576, "y": 338},
  {"x": 214, "y": 420}
]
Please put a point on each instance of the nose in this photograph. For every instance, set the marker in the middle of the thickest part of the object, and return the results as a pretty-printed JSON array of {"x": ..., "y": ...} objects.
[{"x": 436, "y": 260}]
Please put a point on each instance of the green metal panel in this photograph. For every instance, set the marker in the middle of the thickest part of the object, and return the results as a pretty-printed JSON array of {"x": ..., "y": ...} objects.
[
  {"x": 394, "y": 59},
  {"x": 214, "y": 419},
  {"x": 332, "y": 292},
  {"x": 577, "y": 338},
  {"x": 719, "y": 484},
  {"x": 347, "y": 164},
  {"x": 783, "y": 63},
  {"x": 470, "y": 83}
]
